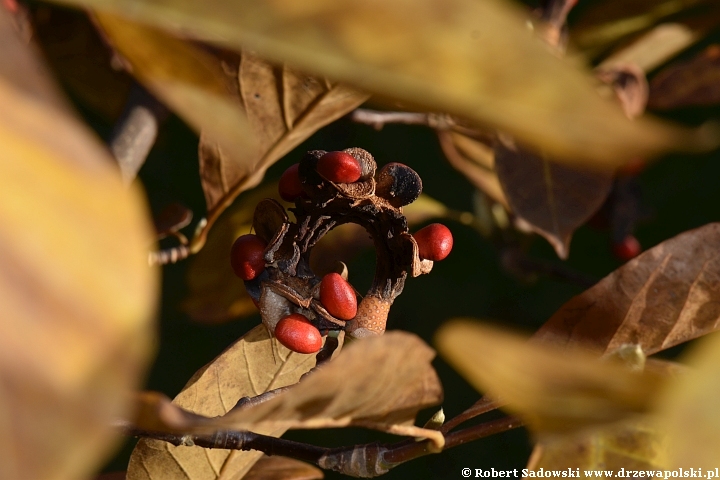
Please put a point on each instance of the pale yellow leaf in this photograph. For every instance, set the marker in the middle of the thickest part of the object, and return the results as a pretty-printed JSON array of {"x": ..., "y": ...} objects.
[
  {"x": 77, "y": 294},
  {"x": 472, "y": 59},
  {"x": 184, "y": 77},
  {"x": 553, "y": 389}
]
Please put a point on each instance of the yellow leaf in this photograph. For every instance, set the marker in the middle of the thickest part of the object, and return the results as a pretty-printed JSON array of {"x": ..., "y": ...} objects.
[
  {"x": 472, "y": 59},
  {"x": 184, "y": 77},
  {"x": 554, "y": 389},
  {"x": 690, "y": 412},
  {"x": 76, "y": 292},
  {"x": 632, "y": 445}
]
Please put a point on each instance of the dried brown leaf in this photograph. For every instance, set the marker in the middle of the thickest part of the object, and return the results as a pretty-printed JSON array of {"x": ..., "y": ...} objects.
[
  {"x": 407, "y": 51},
  {"x": 666, "y": 296},
  {"x": 283, "y": 468},
  {"x": 284, "y": 108},
  {"x": 632, "y": 445},
  {"x": 693, "y": 82},
  {"x": 184, "y": 77},
  {"x": 476, "y": 161},
  {"x": 254, "y": 364},
  {"x": 552, "y": 389},
  {"x": 351, "y": 390},
  {"x": 76, "y": 292},
  {"x": 553, "y": 199},
  {"x": 385, "y": 399},
  {"x": 216, "y": 294}
]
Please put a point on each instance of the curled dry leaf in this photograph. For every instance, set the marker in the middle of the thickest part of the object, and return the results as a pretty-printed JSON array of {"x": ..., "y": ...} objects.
[
  {"x": 73, "y": 337},
  {"x": 632, "y": 445},
  {"x": 689, "y": 412},
  {"x": 553, "y": 199},
  {"x": 348, "y": 391},
  {"x": 552, "y": 389},
  {"x": 216, "y": 294},
  {"x": 283, "y": 468},
  {"x": 406, "y": 51},
  {"x": 352, "y": 390},
  {"x": 254, "y": 364},
  {"x": 284, "y": 107},
  {"x": 693, "y": 82},
  {"x": 666, "y": 296},
  {"x": 476, "y": 161},
  {"x": 184, "y": 77}
]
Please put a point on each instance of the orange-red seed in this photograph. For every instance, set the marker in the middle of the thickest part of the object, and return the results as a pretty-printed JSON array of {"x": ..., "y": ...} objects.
[
  {"x": 247, "y": 256},
  {"x": 338, "y": 297},
  {"x": 289, "y": 186},
  {"x": 339, "y": 167},
  {"x": 297, "y": 333},
  {"x": 434, "y": 242}
]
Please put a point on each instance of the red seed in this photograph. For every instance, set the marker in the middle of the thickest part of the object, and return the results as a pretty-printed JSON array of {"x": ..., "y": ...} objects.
[
  {"x": 297, "y": 333},
  {"x": 339, "y": 167},
  {"x": 628, "y": 249},
  {"x": 338, "y": 297},
  {"x": 290, "y": 187},
  {"x": 247, "y": 256},
  {"x": 434, "y": 242}
]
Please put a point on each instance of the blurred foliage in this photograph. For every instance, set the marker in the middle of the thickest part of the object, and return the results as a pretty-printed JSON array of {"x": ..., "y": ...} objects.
[{"x": 254, "y": 85}]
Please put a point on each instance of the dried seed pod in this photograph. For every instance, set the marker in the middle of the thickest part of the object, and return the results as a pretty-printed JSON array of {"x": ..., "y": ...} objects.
[
  {"x": 288, "y": 286},
  {"x": 371, "y": 317},
  {"x": 247, "y": 256},
  {"x": 339, "y": 167},
  {"x": 399, "y": 184},
  {"x": 434, "y": 242},
  {"x": 289, "y": 186},
  {"x": 338, "y": 296},
  {"x": 299, "y": 335},
  {"x": 366, "y": 161}
]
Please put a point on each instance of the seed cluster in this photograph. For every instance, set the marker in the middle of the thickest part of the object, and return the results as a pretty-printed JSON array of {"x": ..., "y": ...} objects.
[{"x": 331, "y": 189}]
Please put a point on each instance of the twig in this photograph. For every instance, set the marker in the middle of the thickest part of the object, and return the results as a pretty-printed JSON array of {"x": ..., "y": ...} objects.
[
  {"x": 170, "y": 255},
  {"x": 135, "y": 132},
  {"x": 238, "y": 440},
  {"x": 366, "y": 460},
  {"x": 484, "y": 405},
  {"x": 379, "y": 119}
]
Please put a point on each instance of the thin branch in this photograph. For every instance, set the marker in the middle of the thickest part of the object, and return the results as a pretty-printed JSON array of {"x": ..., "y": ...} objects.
[
  {"x": 484, "y": 405},
  {"x": 379, "y": 119},
  {"x": 238, "y": 440},
  {"x": 481, "y": 431},
  {"x": 135, "y": 131},
  {"x": 170, "y": 255},
  {"x": 366, "y": 460}
]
